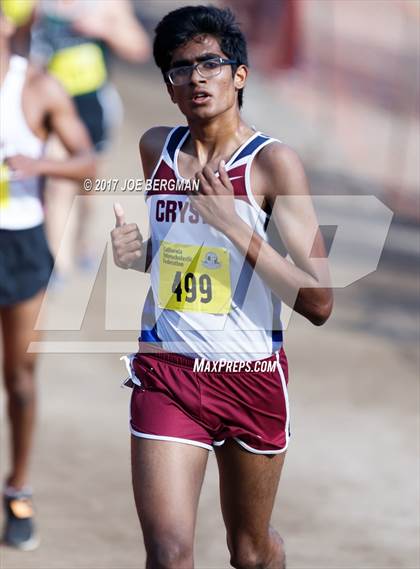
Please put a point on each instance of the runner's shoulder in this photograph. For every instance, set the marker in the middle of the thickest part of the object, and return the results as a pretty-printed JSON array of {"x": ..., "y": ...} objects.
[
  {"x": 152, "y": 140},
  {"x": 277, "y": 155},
  {"x": 151, "y": 145},
  {"x": 279, "y": 164},
  {"x": 44, "y": 85}
]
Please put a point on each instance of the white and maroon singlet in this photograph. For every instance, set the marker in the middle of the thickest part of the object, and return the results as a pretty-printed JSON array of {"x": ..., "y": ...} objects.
[{"x": 205, "y": 298}]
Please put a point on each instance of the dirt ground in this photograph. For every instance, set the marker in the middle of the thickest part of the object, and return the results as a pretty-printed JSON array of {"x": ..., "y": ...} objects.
[{"x": 349, "y": 494}]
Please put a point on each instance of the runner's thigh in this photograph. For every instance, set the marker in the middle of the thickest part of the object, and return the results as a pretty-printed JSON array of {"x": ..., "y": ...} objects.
[
  {"x": 167, "y": 479},
  {"x": 248, "y": 486},
  {"x": 18, "y": 323}
]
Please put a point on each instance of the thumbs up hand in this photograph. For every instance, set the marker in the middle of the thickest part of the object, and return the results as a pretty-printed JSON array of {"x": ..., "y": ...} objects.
[
  {"x": 127, "y": 241},
  {"x": 119, "y": 215}
]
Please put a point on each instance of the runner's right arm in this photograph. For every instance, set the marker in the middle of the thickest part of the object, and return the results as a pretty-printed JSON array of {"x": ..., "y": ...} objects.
[
  {"x": 129, "y": 249},
  {"x": 64, "y": 122}
]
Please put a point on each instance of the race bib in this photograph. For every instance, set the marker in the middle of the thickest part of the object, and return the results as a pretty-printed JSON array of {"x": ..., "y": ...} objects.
[
  {"x": 194, "y": 278},
  {"x": 4, "y": 185},
  {"x": 18, "y": 11},
  {"x": 80, "y": 69}
]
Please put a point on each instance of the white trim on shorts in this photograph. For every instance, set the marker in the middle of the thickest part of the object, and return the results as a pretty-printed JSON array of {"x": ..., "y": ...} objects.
[
  {"x": 286, "y": 400},
  {"x": 256, "y": 451},
  {"x": 251, "y": 449},
  {"x": 286, "y": 428},
  {"x": 172, "y": 439}
]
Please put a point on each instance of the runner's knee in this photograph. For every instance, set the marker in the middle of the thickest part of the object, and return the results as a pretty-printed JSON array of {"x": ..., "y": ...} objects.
[
  {"x": 20, "y": 382},
  {"x": 247, "y": 553},
  {"x": 169, "y": 552}
]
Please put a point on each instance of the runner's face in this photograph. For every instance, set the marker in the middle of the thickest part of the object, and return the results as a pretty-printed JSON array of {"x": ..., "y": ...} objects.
[{"x": 220, "y": 91}]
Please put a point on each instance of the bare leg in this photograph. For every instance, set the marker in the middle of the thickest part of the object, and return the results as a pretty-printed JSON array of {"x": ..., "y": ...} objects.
[
  {"x": 60, "y": 195},
  {"x": 60, "y": 226},
  {"x": 167, "y": 480},
  {"x": 248, "y": 486},
  {"x": 83, "y": 247},
  {"x": 18, "y": 323}
]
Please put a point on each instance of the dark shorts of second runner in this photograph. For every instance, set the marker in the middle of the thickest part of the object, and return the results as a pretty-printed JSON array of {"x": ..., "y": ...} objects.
[
  {"x": 92, "y": 113},
  {"x": 25, "y": 264}
]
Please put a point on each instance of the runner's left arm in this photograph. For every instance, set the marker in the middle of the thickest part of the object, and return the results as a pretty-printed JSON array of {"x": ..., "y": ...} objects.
[
  {"x": 303, "y": 284},
  {"x": 61, "y": 119}
]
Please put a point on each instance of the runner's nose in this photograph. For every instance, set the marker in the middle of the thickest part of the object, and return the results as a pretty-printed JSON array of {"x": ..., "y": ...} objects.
[{"x": 196, "y": 78}]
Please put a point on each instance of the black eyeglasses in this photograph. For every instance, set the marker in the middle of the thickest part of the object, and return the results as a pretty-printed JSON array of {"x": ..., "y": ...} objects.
[{"x": 207, "y": 68}]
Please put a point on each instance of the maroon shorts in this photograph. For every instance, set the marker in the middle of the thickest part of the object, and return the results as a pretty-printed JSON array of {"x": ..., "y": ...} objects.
[{"x": 204, "y": 408}]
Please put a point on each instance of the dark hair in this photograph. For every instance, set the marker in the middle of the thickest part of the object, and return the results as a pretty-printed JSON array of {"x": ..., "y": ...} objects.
[{"x": 182, "y": 25}]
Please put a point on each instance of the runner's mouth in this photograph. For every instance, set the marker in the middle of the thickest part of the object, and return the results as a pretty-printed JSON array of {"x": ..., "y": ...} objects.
[{"x": 200, "y": 98}]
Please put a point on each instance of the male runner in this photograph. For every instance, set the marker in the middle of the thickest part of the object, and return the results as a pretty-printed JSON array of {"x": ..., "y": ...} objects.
[
  {"x": 216, "y": 285},
  {"x": 32, "y": 106}
]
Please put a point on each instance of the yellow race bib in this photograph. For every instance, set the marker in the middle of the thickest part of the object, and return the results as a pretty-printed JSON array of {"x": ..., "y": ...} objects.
[
  {"x": 18, "y": 11},
  {"x": 194, "y": 278},
  {"x": 4, "y": 185},
  {"x": 80, "y": 69}
]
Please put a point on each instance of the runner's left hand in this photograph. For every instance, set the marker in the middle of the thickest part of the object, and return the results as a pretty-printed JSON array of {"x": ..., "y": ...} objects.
[{"x": 215, "y": 198}]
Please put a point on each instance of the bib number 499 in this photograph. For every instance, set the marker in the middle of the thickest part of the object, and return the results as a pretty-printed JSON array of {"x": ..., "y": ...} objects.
[
  {"x": 187, "y": 284},
  {"x": 194, "y": 278}
]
